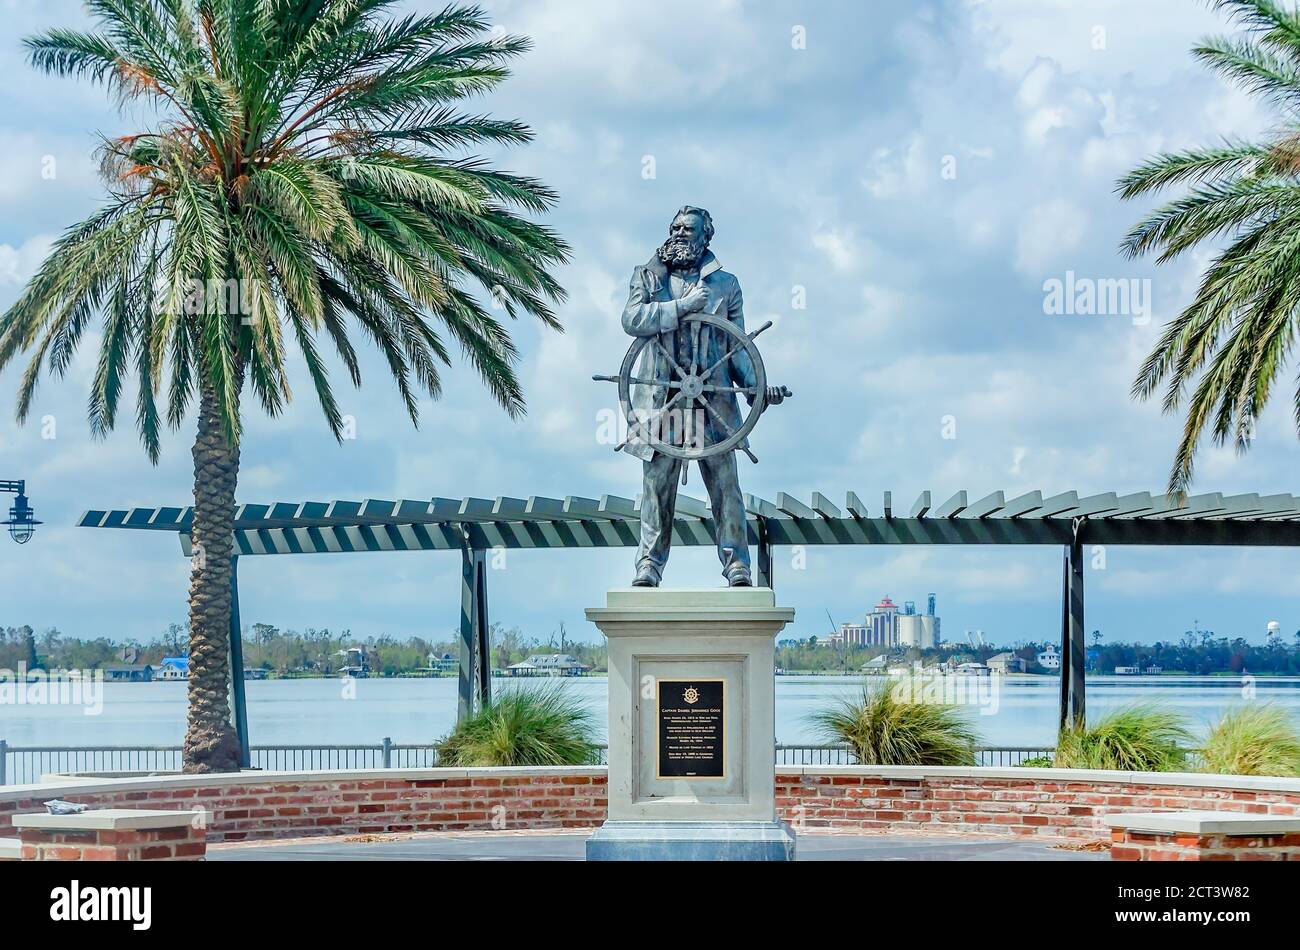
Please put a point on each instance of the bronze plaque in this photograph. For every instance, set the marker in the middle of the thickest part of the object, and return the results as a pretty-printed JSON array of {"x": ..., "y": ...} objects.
[{"x": 690, "y": 729}]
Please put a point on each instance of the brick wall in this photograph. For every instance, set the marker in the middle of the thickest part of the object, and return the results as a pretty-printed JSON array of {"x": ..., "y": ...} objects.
[
  {"x": 1156, "y": 846},
  {"x": 1048, "y": 802},
  {"x": 160, "y": 844},
  {"x": 316, "y": 804},
  {"x": 1070, "y": 804}
]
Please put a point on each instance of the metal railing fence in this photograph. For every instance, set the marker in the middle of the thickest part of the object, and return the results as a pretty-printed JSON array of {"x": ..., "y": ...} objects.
[{"x": 21, "y": 765}]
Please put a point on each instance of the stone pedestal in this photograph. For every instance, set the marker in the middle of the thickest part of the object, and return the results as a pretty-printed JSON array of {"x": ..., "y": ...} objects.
[{"x": 691, "y": 725}]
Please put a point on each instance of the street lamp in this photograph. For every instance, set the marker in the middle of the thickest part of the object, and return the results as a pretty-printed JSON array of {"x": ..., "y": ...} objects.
[{"x": 22, "y": 519}]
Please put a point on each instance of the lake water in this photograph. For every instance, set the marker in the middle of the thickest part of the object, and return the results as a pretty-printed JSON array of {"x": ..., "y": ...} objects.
[{"x": 1011, "y": 711}]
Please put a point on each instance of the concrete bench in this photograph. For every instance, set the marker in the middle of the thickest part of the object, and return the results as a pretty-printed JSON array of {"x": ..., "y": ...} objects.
[
  {"x": 1203, "y": 836},
  {"x": 114, "y": 834},
  {"x": 11, "y": 849}
]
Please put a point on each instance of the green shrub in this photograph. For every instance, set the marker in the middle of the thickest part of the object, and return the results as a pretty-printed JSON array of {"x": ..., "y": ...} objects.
[
  {"x": 884, "y": 730},
  {"x": 1137, "y": 738},
  {"x": 524, "y": 726},
  {"x": 1254, "y": 739},
  {"x": 1037, "y": 762}
]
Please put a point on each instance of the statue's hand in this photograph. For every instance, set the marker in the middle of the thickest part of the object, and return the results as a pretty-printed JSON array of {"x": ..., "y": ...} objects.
[
  {"x": 775, "y": 395},
  {"x": 697, "y": 299}
]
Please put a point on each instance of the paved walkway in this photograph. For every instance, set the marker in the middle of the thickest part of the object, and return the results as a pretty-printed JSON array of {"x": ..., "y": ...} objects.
[{"x": 560, "y": 846}]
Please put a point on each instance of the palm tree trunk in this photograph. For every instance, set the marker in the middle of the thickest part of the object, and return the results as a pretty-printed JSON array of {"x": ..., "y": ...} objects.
[{"x": 211, "y": 744}]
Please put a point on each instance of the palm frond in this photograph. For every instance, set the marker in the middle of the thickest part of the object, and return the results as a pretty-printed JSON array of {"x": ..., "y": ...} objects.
[
  {"x": 307, "y": 177},
  {"x": 1219, "y": 359}
]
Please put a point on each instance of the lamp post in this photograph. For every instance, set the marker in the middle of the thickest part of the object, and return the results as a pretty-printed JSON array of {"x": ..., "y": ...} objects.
[{"x": 22, "y": 519}]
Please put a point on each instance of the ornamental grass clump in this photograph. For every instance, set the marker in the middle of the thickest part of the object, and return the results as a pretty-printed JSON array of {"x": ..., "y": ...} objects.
[
  {"x": 883, "y": 729},
  {"x": 525, "y": 726},
  {"x": 1137, "y": 738},
  {"x": 1254, "y": 739}
]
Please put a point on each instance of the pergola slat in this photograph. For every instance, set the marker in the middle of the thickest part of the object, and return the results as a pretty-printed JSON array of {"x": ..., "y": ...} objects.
[
  {"x": 986, "y": 506},
  {"x": 1058, "y": 504},
  {"x": 615, "y": 507},
  {"x": 1022, "y": 505},
  {"x": 688, "y": 507},
  {"x": 793, "y": 507},
  {"x": 822, "y": 505},
  {"x": 1129, "y": 506},
  {"x": 953, "y": 506}
]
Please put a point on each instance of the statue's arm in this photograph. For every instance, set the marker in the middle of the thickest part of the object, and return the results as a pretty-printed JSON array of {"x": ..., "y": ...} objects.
[
  {"x": 742, "y": 367},
  {"x": 645, "y": 317}
]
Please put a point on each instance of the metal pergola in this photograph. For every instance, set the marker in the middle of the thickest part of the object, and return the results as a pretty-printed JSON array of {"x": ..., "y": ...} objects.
[{"x": 475, "y": 526}]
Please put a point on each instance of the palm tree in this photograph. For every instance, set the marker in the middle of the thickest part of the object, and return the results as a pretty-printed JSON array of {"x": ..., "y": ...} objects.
[
  {"x": 1221, "y": 356},
  {"x": 307, "y": 159}
]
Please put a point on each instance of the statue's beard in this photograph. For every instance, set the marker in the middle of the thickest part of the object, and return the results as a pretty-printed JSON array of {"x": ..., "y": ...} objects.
[{"x": 682, "y": 254}]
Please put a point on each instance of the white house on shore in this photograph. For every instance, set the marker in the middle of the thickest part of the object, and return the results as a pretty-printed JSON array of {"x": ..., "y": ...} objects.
[
  {"x": 1049, "y": 658},
  {"x": 547, "y": 664}
]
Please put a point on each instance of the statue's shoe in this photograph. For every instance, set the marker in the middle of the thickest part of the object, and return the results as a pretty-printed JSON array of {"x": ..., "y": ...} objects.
[
  {"x": 740, "y": 578},
  {"x": 646, "y": 577}
]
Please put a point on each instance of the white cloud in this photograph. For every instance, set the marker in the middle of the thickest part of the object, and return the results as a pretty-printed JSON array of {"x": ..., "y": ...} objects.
[
  {"x": 18, "y": 264},
  {"x": 1048, "y": 231}
]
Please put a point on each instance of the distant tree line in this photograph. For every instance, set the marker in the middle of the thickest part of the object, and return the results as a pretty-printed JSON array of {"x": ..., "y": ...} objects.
[
  {"x": 1198, "y": 652},
  {"x": 284, "y": 652},
  {"x": 317, "y": 652}
]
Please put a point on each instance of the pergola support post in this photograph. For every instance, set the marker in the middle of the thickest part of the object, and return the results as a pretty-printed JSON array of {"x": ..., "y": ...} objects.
[
  {"x": 475, "y": 635},
  {"x": 239, "y": 705},
  {"x": 1072, "y": 634},
  {"x": 763, "y": 566}
]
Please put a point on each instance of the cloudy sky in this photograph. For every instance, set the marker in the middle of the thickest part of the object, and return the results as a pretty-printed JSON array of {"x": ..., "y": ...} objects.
[{"x": 916, "y": 170}]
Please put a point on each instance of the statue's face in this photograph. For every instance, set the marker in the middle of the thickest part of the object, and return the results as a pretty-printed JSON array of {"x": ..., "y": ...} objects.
[
  {"x": 687, "y": 228},
  {"x": 686, "y": 245}
]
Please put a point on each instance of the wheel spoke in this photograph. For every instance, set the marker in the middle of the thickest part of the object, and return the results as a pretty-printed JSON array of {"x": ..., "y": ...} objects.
[
  {"x": 743, "y": 390},
  {"x": 640, "y": 425},
  {"x": 713, "y": 412},
  {"x": 730, "y": 353},
  {"x": 669, "y": 383},
  {"x": 668, "y": 405},
  {"x": 669, "y": 357}
]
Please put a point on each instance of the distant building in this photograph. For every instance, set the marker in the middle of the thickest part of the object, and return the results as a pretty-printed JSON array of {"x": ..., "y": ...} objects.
[
  {"x": 851, "y": 634},
  {"x": 173, "y": 668},
  {"x": 356, "y": 662},
  {"x": 129, "y": 673},
  {"x": 882, "y": 624},
  {"x": 1049, "y": 658},
  {"x": 1006, "y": 663},
  {"x": 879, "y": 665},
  {"x": 551, "y": 664},
  {"x": 917, "y": 630},
  {"x": 446, "y": 663}
]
